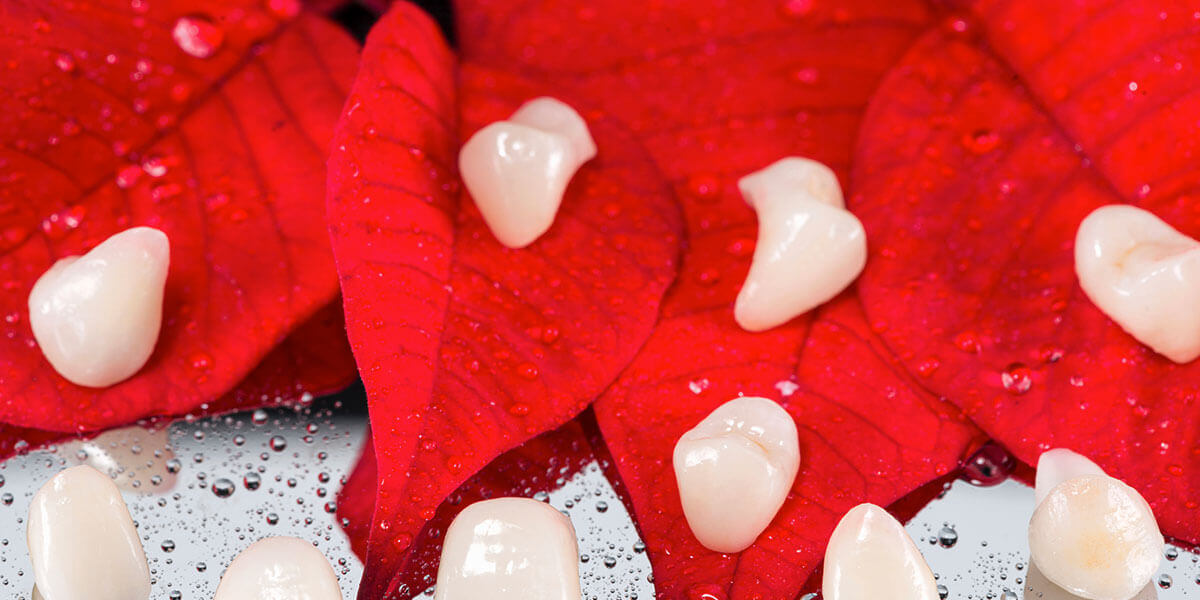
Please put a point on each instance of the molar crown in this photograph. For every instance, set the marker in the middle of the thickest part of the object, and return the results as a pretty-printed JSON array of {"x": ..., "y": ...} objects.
[
  {"x": 517, "y": 170},
  {"x": 809, "y": 248},
  {"x": 1143, "y": 274},
  {"x": 734, "y": 470},
  {"x": 870, "y": 556}
]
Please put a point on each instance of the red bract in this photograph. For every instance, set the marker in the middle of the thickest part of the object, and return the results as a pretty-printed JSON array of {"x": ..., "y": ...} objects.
[
  {"x": 467, "y": 348},
  {"x": 981, "y": 155},
  {"x": 209, "y": 124}
]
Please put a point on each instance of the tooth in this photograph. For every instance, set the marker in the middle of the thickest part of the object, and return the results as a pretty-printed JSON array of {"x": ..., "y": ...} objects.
[
  {"x": 82, "y": 541},
  {"x": 96, "y": 317},
  {"x": 36, "y": 594},
  {"x": 517, "y": 170},
  {"x": 870, "y": 557},
  {"x": 734, "y": 470},
  {"x": 279, "y": 567},
  {"x": 1144, "y": 275},
  {"x": 1039, "y": 588},
  {"x": 809, "y": 247},
  {"x": 1095, "y": 537},
  {"x": 134, "y": 457},
  {"x": 509, "y": 549},
  {"x": 1058, "y": 465}
]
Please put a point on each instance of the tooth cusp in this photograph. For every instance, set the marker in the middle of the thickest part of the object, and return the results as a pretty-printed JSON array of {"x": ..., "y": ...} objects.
[{"x": 870, "y": 556}]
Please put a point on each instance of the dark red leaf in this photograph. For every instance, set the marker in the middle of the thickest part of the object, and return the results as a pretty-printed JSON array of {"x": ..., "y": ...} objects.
[
  {"x": 468, "y": 349},
  {"x": 209, "y": 125},
  {"x": 356, "y": 499},
  {"x": 982, "y": 154}
]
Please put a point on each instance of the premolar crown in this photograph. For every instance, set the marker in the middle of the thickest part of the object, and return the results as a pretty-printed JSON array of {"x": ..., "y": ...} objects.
[
  {"x": 279, "y": 567},
  {"x": 734, "y": 470},
  {"x": 809, "y": 248},
  {"x": 870, "y": 556},
  {"x": 509, "y": 549},
  {"x": 82, "y": 541},
  {"x": 518, "y": 170},
  {"x": 97, "y": 317},
  {"x": 1143, "y": 274},
  {"x": 1091, "y": 534}
]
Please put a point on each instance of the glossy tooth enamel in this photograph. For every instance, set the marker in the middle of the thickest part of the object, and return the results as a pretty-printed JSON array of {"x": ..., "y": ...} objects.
[
  {"x": 1144, "y": 275},
  {"x": 1058, "y": 465},
  {"x": 509, "y": 549},
  {"x": 809, "y": 248},
  {"x": 870, "y": 556},
  {"x": 734, "y": 470},
  {"x": 286, "y": 568},
  {"x": 518, "y": 170},
  {"x": 82, "y": 541},
  {"x": 96, "y": 317},
  {"x": 1095, "y": 537}
]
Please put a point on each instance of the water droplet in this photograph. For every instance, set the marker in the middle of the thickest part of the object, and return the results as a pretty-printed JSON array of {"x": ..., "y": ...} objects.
[
  {"x": 259, "y": 417},
  {"x": 1017, "y": 378},
  {"x": 174, "y": 465},
  {"x": 981, "y": 141},
  {"x": 168, "y": 545},
  {"x": 602, "y": 507},
  {"x": 990, "y": 465},
  {"x": 223, "y": 488},
  {"x": 197, "y": 36},
  {"x": 252, "y": 480},
  {"x": 943, "y": 591},
  {"x": 278, "y": 443},
  {"x": 65, "y": 63},
  {"x": 698, "y": 386},
  {"x": 272, "y": 518},
  {"x": 947, "y": 537},
  {"x": 610, "y": 561},
  {"x": 201, "y": 567},
  {"x": 1165, "y": 581}
]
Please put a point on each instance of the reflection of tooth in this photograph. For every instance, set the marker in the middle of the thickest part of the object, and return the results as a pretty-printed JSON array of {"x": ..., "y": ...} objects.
[
  {"x": 734, "y": 470},
  {"x": 871, "y": 557},
  {"x": 279, "y": 567},
  {"x": 1095, "y": 537},
  {"x": 809, "y": 246},
  {"x": 509, "y": 549},
  {"x": 82, "y": 541},
  {"x": 517, "y": 170},
  {"x": 36, "y": 594},
  {"x": 1058, "y": 465},
  {"x": 96, "y": 317},
  {"x": 134, "y": 457},
  {"x": 1144, "y": 275},
  {"x": 1037, "y": 587}
]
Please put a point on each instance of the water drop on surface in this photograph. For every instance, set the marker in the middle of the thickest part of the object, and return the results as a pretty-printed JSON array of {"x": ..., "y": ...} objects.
[
  {"x": 1165, "y": 581},
  {"x": 223, "y": 488},
  {"x": 947, "y": 537},
  {"x": 168, "y": 545},
  {"x": 943, "y": 591},
  {"x": 197, "y": 36},
  {"x": 252, "y": 480},
  {"x": 1017, "y": 378},
  {"x": 278, "y": 443},
  {"x": 990, "y": 465}
]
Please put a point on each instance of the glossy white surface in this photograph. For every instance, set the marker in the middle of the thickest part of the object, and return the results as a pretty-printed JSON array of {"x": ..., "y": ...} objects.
[
  {"x": 1058, "y": 465},
  {"x": 870, "y": 557},
  {"x": 82, "y": 541},
  {"x": 809, "y": 247},
  {"x": 509, "y": 549},
  {"x": 279, "y": 568},
  {"x": 1143, "y": 274},
  {"x": 734, "y": 470},
  {"x": 96, "y": 317},
  {"x": 517, "y": 170}
]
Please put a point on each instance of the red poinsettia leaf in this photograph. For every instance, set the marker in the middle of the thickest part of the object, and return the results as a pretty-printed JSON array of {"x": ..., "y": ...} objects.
[
  {"x": 467, "y": 348},
  {"x": 980, "y": 157},
  {"x": 356, "y": 499},
  {"x": 209, "y": 124},
  {"x": 709, "y": 115}
]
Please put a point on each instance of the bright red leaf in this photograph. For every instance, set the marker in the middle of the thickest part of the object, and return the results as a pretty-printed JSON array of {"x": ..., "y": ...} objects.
[
  {"x": 980, "y": 156},
  {"x": 209, "y": 125},
  {"x": 468, "y": 349}
]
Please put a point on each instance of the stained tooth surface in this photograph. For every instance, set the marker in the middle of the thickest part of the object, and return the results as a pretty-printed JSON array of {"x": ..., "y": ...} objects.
[
  {"x": 286, "y": 568},
  {"x": 870, "y": 556},
  {"x": 518, "y": 170},
  {"x": 96, "y": 317},
  {"x": 734, "y": 470},
  {"x": 1144, "y": 275},
  {"x": 82, "y": 541},
  {"x": 1058, "y": 465},
  {"x": 809, "y": 246},
  {"x": 1095, "y": 537},
  {"x": 509, "y": 549}
]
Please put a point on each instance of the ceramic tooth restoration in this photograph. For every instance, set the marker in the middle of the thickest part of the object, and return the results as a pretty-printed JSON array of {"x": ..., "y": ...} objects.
[
  {"x": 1091, "y": 534},
  {"x": 734, "y": 470},
  {"x": 509, "y": 549},
  {"x": 287, "y": 568},
  {"x": 82, "y": 542},
  {"x": 809, "y": 247},
  {"x": 870, "y": 556},
  {"x": 97, "y": 317},
  {"x": 517, "y": 170},
  {"x": 1143, "y": 274}
]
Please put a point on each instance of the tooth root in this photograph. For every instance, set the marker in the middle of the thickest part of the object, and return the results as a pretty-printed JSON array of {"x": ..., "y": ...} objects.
[
  {"x": 1095, "y": 537},
  {"x": 82, "y": 541},
  {"x": 96, "y": 317},
  {"x": 279, "y": 567},
  {"x": 870, "y": 556},
  {"x": 1058, "y": 465},
  {"x": 809, "y": 247},
  {"x": 734, "y": 470},
  {"x": 1144, "y": 275},
  {"x": 509, "y": 549},
  {"x": 518, "y": 170}
]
